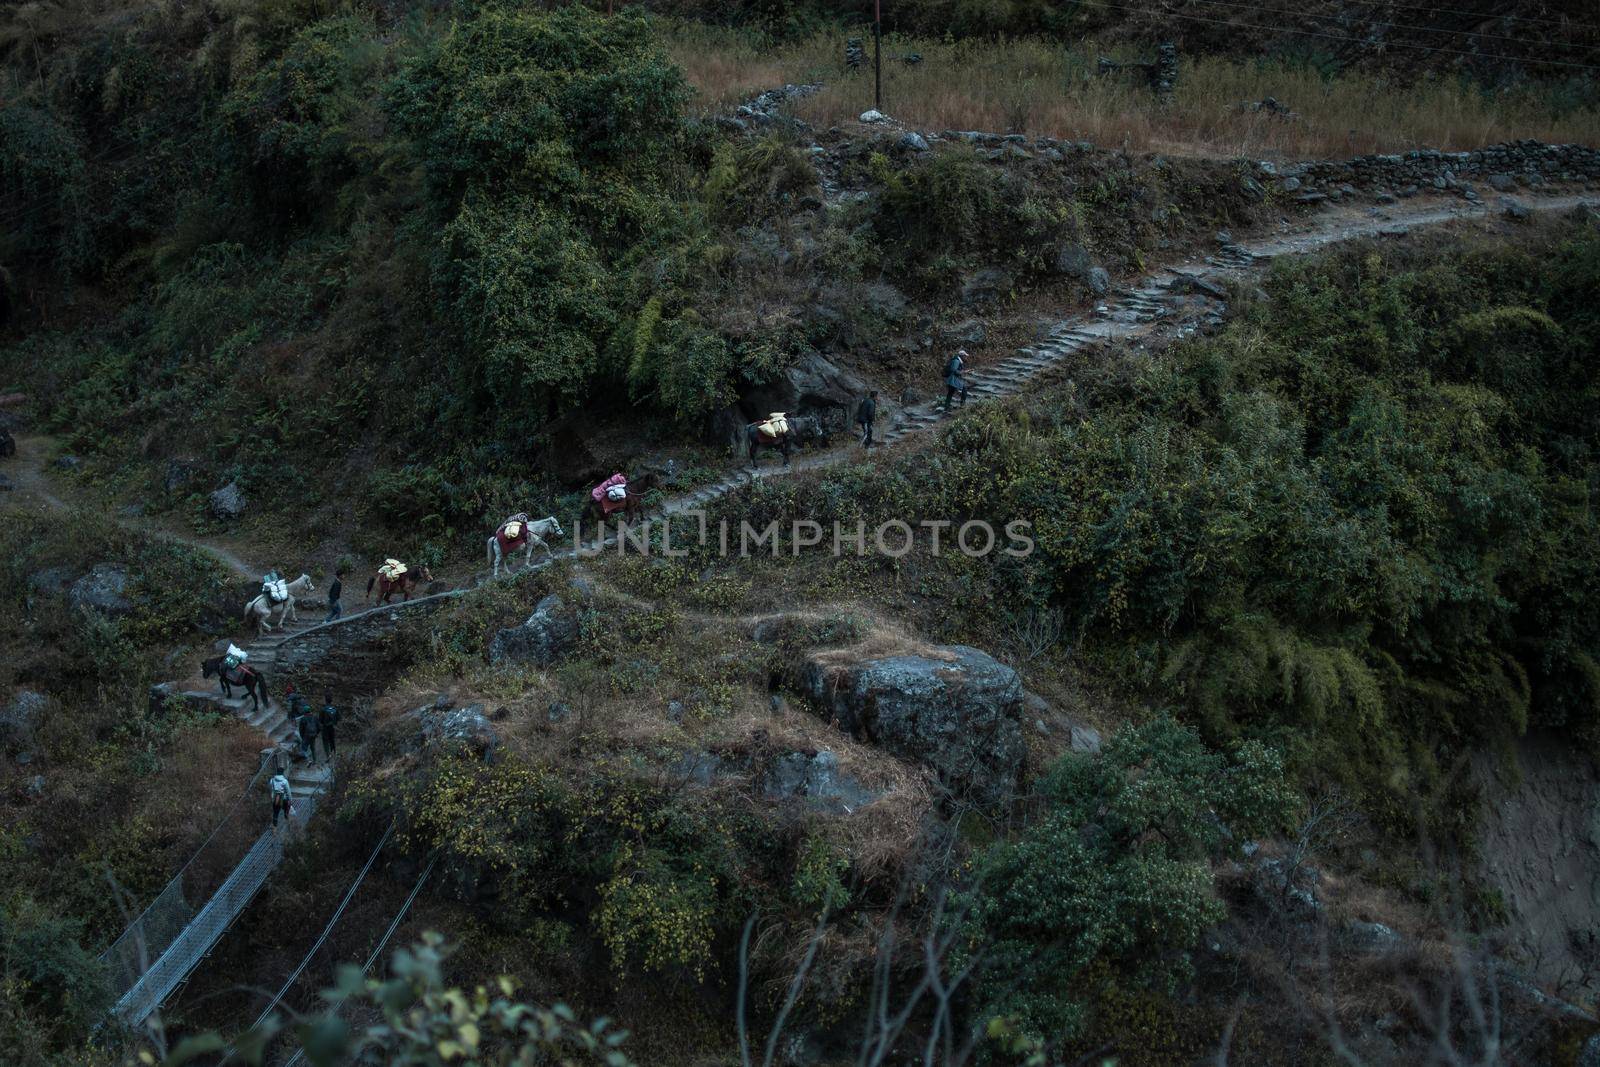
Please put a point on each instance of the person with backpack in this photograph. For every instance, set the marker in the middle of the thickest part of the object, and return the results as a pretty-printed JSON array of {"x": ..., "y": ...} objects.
[
  {"x": 866, "y": 414},
  {"x": 336, "y": 590},
  {"x": 328, "y": 718},
  {"x": 282, "y": 799},
  {"x": 308, "y": 728},
  {"x": 954, "y": 381}
]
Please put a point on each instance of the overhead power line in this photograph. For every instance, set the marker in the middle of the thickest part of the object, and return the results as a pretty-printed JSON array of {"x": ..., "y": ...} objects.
[
  {"x": 1390, "y": 25},
  {"x": 1357, "y": 40},
  {"x": 1482, "y": 14}
]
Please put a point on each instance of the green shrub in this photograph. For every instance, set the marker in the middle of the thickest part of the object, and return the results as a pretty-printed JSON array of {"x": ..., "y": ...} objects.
[
  {"x": 48, "y": 971},
  {"x": 1113, "y": 872},
  {"x": 752, "y": 180}
]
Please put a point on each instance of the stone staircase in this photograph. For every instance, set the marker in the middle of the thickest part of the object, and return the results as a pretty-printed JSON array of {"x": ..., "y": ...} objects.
[{"x": 271, "y": 719}]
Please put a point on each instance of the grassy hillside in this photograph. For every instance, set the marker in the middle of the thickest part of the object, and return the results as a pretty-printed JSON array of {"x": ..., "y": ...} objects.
[
  {"x": 1044, "y": 86},
  {"x": 397, "y": 270},
  {"x": 489, "y": 255},
  {"x": 1327, "y": 553}
]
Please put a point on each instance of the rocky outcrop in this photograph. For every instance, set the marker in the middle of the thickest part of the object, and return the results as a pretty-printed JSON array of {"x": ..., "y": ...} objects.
[
  {"x": 548, "y": 633},
  {"x": 20, "y": 716},
  {"x": 1539, "y": 852},
  {"x": 356, "y": 651},
  {"x": 986, "y": 286},
  {"x": 954, "y": 709},
  {"x": 812, "y": 382},
  {"x": 103, "y": 589},
  {"x": 815, "y": 778},
  {"x": 443, "y": 724},
  {"x": 228, "y": 503}
]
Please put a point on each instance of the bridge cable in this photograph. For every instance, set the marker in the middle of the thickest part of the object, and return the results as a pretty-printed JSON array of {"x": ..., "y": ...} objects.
[
  {"x": 326, "y": 930},
  {"x": 1358, "y": 40},
  {"x": 234, "y": 807},
  {"x": 300, "y": 1053}
]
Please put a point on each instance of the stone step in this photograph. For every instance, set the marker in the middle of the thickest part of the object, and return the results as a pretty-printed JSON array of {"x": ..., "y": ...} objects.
[
  {"x": 311, "y": 775},
  {"x": 270, "y": 722}
]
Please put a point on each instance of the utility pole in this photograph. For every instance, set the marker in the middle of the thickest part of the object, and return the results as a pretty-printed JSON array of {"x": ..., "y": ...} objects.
[{"x": 877, "y": 55}]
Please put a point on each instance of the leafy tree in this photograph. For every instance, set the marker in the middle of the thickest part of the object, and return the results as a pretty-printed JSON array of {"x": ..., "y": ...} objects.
[{"x": 551, "y": 105}]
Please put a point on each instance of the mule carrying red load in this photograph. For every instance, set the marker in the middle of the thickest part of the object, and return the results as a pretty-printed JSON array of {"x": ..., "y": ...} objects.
[
  {"x": 611, "y": 494},
  {"x": 513, "y": 533}
]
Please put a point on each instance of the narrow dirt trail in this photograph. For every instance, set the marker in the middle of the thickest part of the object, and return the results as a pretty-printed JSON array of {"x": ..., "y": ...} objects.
[
  {"x": 36, "y": 491},
  {"x": 1173, "y": 297}
]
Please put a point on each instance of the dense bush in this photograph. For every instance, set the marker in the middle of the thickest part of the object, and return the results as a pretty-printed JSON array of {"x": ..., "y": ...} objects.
[
  {"x": 1113, "y": 872},
  {"x": 48, "y": 974},
  {"x": 660, "y": 873}
]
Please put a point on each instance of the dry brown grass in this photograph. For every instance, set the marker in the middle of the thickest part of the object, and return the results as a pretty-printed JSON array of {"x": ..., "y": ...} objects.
[{"x": 1033, "y": 87}]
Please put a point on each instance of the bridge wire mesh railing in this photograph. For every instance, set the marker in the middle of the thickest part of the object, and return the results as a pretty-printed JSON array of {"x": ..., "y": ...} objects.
[{"x": 180, "y": 900}]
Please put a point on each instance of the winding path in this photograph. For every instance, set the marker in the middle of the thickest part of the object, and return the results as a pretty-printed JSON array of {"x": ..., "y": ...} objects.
[{"x": 1178, "y": 298}]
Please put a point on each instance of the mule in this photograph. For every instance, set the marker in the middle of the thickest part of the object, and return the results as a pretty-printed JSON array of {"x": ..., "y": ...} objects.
[
  {"x": 261, "y": 607},
  {"x": 253, "y": 681},
  {"x": 801, "y": 428},
  {"x": 405, "y": 585},
  {"x": 632, "y": 508},
  {"x": 532, "y": 533}
]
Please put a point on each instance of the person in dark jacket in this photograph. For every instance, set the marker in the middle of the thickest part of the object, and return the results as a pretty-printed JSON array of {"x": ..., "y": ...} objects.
[
  {"x": 328, "y": 718},
  {"x": 308, "y": 728},
  {"x": 866, "y": 415},
  {"x": 335, "y": 609},
  {"x": 955, "y": 381}
]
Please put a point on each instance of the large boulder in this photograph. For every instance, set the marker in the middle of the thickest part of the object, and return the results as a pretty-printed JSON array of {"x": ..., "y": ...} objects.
[
  {"x": 810, "y": 384},
  {"x": 228, "y": 503},
  {"x": 442, "y": 723},
  {"x": 549, "y": 632},
  {"x": 103, "y": 589},
  {"x": 986, "y": 286},
  {"x": 953, "y": 708},
  {"x": 20, "y": 716},
  {"x": 1074, "y": 261}
]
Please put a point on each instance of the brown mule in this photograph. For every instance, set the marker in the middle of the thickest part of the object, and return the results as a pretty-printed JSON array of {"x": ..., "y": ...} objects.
[{"x": 405, "y": 585}]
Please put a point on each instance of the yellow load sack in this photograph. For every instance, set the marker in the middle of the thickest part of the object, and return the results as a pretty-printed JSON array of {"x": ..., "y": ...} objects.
[
  {"x": 513, "y": 530},
  {"x": 777, "y": 424}
]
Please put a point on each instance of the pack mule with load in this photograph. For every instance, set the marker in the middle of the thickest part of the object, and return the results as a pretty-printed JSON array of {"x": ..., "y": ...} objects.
[
  {"x": 238, "y": 673},
  {"x": 273, "y": 588},
  {"x": 782, "y": 431},
  {"x": 615, "y": 494},
  {"x": 518, "y": 532},
  {"x": 395, "y": 577}
]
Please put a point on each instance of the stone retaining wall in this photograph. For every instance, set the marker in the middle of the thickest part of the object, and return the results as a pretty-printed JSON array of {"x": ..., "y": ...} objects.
[
  {"x": 352, "y": 651},
  {"x": 1503, "y": 167}
]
